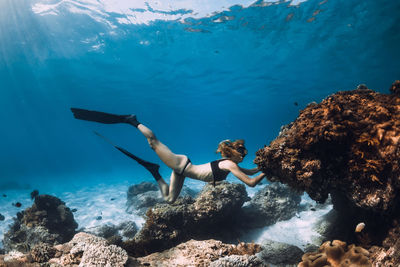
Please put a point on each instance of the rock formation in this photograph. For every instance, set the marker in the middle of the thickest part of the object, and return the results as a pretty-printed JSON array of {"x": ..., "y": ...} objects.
[
  {"x": 88, "y": 250},
  {"x": 141, "y": 197},
  {"x": 348, "y": 147},
  {"x": 388, "y": 254},
  {"x": 275, "y": 202},
  {"x": 114, "y": 234},
  {"x": 47, "y": 221},
  {"x": 349, "y": 143},
  {"x": 278, "y": 253},
  {"x": 205, "y": 253},
  {"x": 211, "y": 215}
]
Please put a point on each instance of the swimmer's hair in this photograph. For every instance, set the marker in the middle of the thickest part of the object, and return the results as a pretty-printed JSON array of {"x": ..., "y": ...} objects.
[{"x": 228, "y": 149}]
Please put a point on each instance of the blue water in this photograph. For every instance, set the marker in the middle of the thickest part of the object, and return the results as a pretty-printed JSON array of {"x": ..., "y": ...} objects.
[{"x": 235, "y": 73}]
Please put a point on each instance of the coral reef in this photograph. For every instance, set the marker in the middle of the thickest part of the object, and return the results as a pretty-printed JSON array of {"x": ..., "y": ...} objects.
[
  {"x": 42, "y": 252},
  {"x": 114, "y": 234},
  {"x": 275, "y": 202},
  {"x": 336, "y": 253},
  {"x": 204, "y": 253},
  {"x": 389, "y": 253},
  {"x": 349, "y": 143},
  {"x": 89, "y": 250},
  {"x": 395, "y": 88},
  {"x": 47, "y": 221},
  {"x": 278, "y": 253},
  {"x": 210, "y": 215},
  {"x": 145, "y": 195}
]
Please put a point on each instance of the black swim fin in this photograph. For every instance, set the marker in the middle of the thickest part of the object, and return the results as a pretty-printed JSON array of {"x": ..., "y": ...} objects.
[
  {"x": 97, "y": 116},
  {"x": 151, "y": 167}
]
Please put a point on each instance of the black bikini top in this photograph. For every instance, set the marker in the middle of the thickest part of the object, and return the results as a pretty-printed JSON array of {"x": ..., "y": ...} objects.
[{"x": 218, "y": 174}]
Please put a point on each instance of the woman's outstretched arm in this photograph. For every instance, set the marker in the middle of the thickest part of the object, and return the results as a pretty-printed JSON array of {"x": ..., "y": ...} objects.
[
  {"x": 250, "y": 171},
  {"x": 236, "y": 170}
]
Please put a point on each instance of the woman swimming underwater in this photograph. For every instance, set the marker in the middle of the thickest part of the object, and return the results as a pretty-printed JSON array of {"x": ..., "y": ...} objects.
[{"x": 232, "y": 154}]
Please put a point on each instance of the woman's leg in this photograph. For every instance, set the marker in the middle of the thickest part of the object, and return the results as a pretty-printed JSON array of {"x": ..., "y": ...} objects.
[
  {"x": 174, "y": 161},
  {"x": 170, "y": 193}
]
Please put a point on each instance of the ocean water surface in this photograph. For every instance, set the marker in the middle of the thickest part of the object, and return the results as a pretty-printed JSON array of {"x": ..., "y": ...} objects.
[{"x": 196, "y": 72}]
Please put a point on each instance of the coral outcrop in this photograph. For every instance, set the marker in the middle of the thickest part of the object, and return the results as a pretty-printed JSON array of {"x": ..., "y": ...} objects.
[
  {"x": 274, "y": 202},
  {"x": 83, "y": 250},
  {"x": 280, "y": 254},
  {"x": 205, "y": 253},
  {"x": 389, "y": 253},
  {"x": 42, "y": 252},
  {"x": 336, "y": 253},
  {"x": 141, "y": 197},
  {"x": 349, "y": 144},
  {"x": 114, "y": 234},
  {"x": 211, "y": 215},
  {"x": 88, "y": 250},
  {"x": 47, "y": 221}
]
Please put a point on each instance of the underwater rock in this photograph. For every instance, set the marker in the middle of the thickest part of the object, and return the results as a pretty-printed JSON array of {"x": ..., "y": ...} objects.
[
  {"x": 348, "y": 143},
  {"x": 88, "y": 250},
  {"x": 238, "y": 261},
  {"x": 395, "y": 88},
  {"x": 34, "y": 194},
  {"x": 389, "y": 253},
  {"x": 96, "y": 251},
  {"x": 337, "y": 253},
  {"x": 128, "y": 229},
  {"x": 47, "y": 221},
  {"x": 140, "y": 203},
  {"x": 141, "y": 188},
  {"x": 141, "y": 197},
  {"x": 125, "y": 230},
  {"x": 278, "y": 253},
  {"x": 42, "y": 252},
  {"x": 212, "y": 214},
  {"x": 105, "y": 231},
  {"x": 275, "y": 202},
  {"x": 204, "y": 253},
  {"x": 83, "y": 250}
]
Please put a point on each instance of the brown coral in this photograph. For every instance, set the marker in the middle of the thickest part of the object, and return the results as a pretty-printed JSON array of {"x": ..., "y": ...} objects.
[
  {"x": 245, "y": 249},
  {"x": 395, "y": 88},
  {"x": 42, "y": 252},
  {"x": 335, "y": 254},
  {"x": 350, "y": 143}
]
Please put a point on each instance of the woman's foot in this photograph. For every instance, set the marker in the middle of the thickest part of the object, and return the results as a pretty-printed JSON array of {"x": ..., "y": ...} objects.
[{"x": 132, "y": 120}]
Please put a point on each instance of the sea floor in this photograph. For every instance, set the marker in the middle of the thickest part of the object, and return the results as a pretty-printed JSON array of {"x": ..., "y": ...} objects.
[{"x": 101, "y": 204}]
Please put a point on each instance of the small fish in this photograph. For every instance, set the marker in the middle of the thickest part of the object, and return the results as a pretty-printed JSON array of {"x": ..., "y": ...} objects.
[
  {"x": 4, "y": 195},
  {"x": 296, "y": 104},
  {"x": 112, "y": 199},
  {"x": 18, "y": 204},
  {"x": 360, "y": 227},
  {"x": 34, "y": 194},
  {"x": 74, "y": 210},
  {"x": 99, "y": 218}
]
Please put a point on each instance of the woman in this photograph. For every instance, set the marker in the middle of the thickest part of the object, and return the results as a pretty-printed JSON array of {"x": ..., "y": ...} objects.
[{"x": 232, "y": 153}]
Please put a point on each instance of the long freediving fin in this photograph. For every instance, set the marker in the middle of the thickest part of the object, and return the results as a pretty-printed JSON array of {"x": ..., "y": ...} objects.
[
  {"x": 151, "y": 167},
  {"x": 98, "y": 116}
]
